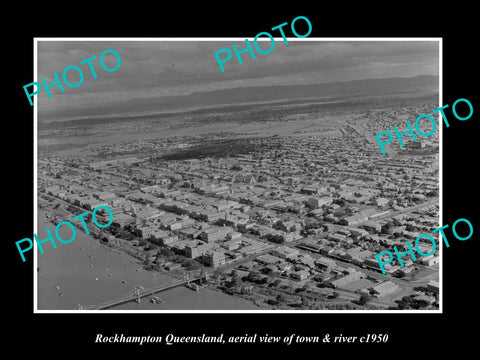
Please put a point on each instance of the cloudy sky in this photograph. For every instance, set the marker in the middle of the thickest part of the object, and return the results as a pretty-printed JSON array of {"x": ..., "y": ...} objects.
[{"x": 155, "y": 68}]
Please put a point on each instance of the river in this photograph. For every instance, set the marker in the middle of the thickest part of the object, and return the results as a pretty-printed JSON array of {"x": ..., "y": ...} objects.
[{"x": 86, "y": 272}]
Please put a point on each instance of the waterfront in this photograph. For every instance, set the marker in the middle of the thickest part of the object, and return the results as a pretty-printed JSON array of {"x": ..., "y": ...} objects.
[{"x": 86, "y": 272}]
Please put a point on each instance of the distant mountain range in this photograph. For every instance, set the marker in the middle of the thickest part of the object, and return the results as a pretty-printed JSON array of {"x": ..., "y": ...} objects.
[
  {"x": 242, "y": 95},
  {"x": 335, "y": 89}
]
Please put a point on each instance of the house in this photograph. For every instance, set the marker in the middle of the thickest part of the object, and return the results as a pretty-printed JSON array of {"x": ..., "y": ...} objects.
[
  {"x": 358, "y": 233},
  {"x": 300, "y": 275},
  {"x": 234, "y": 235},
  {"x": 309, "y": 247},
  {"x": 353, "y": 220},
  {"x": 286, "y": 252},
  {"x": 169, "y": 239},
  {"x": 343, "y": 232},
  {"x": 325, "y": 263},
  {"x": 103, "y": 195},
  {"x": 380, "y": 201},
  {"x": 306, "y": 260},
  {"x": 267, "y": 259},
  {"x": 174, "y": 226},
  {"x": 311, "y": 190},
  {"x": 316, "y": 203},
  {"x": 372, "y": 264},
  {"x": 430, "y": 260},
  {"x": 232, "y": 244},
  {"x": 326, "y": 250},
  {"x": 372, "y": 226},
  {"x": 405, "y": 270},
  {"x": 355, "y": 275},
  {"x": 336, "y": 237},
  {"x": 284, "y": 266},
  {"x": 155, "y": 189},
  {"x": 190, "y": 232},
  {"x": 157, "y": 235}
]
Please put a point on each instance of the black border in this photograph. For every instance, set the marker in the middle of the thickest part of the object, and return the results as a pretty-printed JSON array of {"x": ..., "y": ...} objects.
[{"x": 428, "y": 333}]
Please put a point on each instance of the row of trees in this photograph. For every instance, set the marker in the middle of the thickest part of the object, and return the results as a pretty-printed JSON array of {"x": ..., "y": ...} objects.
[{"x": 408, "y": 302}]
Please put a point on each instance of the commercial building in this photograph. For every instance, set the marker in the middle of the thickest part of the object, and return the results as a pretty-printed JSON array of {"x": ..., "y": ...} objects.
[
  {"x": 286, "y": 252},
  {"x": 384, "y": 288},
  {"x": 213, "y": 258},
  {"x": 355, "y": 275},
  {"x": 197, "y": 249}
]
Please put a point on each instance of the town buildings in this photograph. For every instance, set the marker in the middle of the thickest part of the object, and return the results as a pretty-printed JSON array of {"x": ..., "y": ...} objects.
[{"x": 303, "y": 209}]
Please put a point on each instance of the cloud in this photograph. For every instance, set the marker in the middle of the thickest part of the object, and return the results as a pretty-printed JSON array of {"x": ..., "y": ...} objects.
[{"x": 155, "y": 68}]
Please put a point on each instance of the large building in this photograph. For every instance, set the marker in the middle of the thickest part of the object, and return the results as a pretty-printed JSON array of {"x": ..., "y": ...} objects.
[
  {"x": 384, "y": 288},
  {"x": 316, "y": 203},
  {"x": 286, "y": 252},
  {"x": 355, "y": 275},
  {"x": 213, "y": 258},
  {"x": 195, "y": 250}
]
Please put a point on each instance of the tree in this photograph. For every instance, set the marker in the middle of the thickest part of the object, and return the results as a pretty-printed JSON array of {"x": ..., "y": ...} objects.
[
  {"x": 387, "y": 228},
  {"x": 418, "y": 304},
  {"x": 251, "y": 277},
  {"x": 166, "y": 252},
  {"x": 267, "y": 270},
  {"x": 191, "y": 265},
  {"x": 276, "y": 238},
  {"x": 364, "y": 298},
  {"x": 306, "y": 302},
  {"x": 235, "y": 282},
  {"x": 151, "y": 246}
]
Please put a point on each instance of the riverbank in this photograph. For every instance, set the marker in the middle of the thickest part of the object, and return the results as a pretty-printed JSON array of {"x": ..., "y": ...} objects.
[{"x": 87, "y": 272}]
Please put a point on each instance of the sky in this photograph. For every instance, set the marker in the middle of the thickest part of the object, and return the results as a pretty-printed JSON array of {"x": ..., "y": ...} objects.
[{"x": 156, "y": 68}]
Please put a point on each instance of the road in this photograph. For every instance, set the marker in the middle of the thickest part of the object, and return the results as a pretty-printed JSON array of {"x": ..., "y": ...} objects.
[
  {"x": 409, "y": 285},
  {"x": 432, "y": 201}
]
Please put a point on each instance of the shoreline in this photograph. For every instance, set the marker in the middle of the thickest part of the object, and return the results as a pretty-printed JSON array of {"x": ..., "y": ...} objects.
[{"x": 91, "y": 272}]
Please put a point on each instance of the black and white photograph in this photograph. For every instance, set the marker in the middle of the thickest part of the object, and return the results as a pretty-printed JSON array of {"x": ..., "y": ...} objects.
[{"x": 224, "y": 181}]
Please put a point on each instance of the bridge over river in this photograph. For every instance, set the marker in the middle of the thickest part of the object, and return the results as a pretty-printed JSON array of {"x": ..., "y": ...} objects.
[{"x": 139, "y": 292}]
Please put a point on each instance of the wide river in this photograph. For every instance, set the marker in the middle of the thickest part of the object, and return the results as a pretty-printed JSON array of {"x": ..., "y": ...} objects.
[{"x": 87, "y": 273}]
